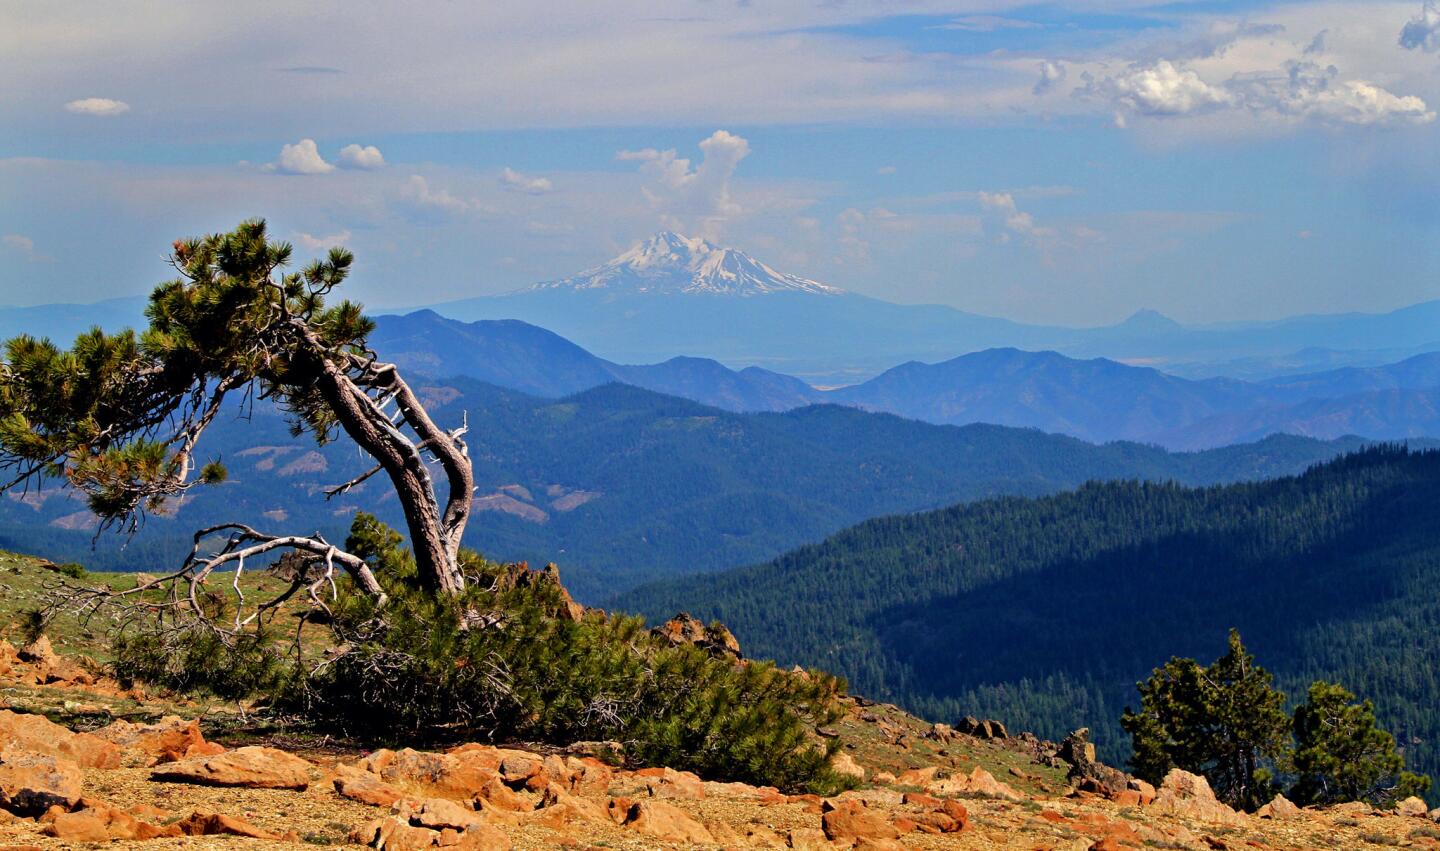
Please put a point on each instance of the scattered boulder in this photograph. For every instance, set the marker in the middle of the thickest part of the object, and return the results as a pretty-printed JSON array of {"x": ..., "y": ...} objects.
[
  {"x": 665, "y": 822},
  {"x": 558, "y": 808},
  {"x": 438, "y": 814},
  {"x": 1189, "y": 795},
  {"x": 100, "y": 823},
  {"x": 669, "y": 783},
  {"x": 365, "y": 787},
  {"x": 168, "y": 740},
  {"x": 852, "y": 820},
  {"x": 460, "y": 774},
  {"x": 1412, "y": 807},
  {"x": 217, "y": 824},
  {"x": 31, "y": 783},
  {"x": 687, "y": 629},
  {"x": 1280, "y": 808},
  {"x": 38, "y": 734},
  {"x": 987, "y": 729},
  {"x": 250, "y": 767}
]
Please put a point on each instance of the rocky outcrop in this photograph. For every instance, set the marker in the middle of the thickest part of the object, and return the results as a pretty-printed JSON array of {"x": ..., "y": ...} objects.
[
  {"x": 1189, "y": 796},
  {"x": 1280, "y": 809},
  {"x": 1087, "y": 774},
  {"x": 251, "y": 768},
  {"x": 981, "y": 729},
  {"x": 686, "y": 629}
]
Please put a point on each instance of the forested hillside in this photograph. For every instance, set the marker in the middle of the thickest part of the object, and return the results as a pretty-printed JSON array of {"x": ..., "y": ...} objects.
[
  {"x": 1046, "y": 612},
  {"x": 621, "y": 486}
]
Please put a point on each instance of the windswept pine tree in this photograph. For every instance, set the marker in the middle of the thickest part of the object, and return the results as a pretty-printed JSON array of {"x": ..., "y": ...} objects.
[{"x": 121, "y": 417}]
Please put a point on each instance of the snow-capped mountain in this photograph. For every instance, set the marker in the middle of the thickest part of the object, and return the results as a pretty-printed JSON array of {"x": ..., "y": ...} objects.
[{"x": 669, "y": 263}]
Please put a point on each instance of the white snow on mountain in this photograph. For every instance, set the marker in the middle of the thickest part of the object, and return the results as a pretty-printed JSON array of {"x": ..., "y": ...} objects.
[{"x": 669, "y": 263}]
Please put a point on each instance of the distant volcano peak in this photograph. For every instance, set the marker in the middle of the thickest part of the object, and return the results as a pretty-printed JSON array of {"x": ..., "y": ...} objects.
[{"x": 670, "y": 263}]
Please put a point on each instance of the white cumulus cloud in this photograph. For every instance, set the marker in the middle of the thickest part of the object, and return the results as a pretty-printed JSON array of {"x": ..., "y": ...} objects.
[
  {"x": 698, "y": 199},
  {"x": 1423, "y": 31},
  {"x": 362, "y": 157},
  {"x": 97, "y": 106},
  {"x": 1298, "y": 89},
  {"x": 517, "y": 182},
  {"x": 303, "y": 157},
  {"x": 1162, "y": 88},
  {"x": 316, "y": 243}
]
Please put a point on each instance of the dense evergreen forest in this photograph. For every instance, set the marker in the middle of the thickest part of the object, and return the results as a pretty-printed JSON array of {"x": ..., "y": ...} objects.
[
  {"x": 1045, "y": 612},
  {"x": 621, "y": 485}
]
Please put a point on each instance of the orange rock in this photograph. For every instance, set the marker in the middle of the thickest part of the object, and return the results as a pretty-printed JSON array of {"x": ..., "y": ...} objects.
[
  {"x": 852, "y": 820},
  {"x": 365, "y": 787},
  {"x": 503, "y": 797},
  {"x": 460, "y": 773},
  {"x": 1189, "y": 795},
  {"x": 920, "y": 799},
  {"x": 619, "y": 808},
  {"x": 30, "y": 782},
  {"x": 481, "y": 838},
  {"x": 51, "y": 667},
  {"x": 558, "y": 805},
  {"x": 438, "y": 814},
  {"x": 169, "y": 739},
  {"x": 665, "y": 822},
  {"x": 921, "y": 777},
  {"x": 1280, "y": 808},
  {"x": 760, "y": 836},
  {"x": 217, "y": 824},
  {"x": 40, "y": 735},
  {"x": 681, "y": 785},
  {"x": 877, "y": 844},
  {"x": 102, "y": 823},
  {"x": 956, "y": 811},
  {"x": 809, "y": 839},
  {"x": 251, "y": 768},
  {"x": 589, "y": 776}
]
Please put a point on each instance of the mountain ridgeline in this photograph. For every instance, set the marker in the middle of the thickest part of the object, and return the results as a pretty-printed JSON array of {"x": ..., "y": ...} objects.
[
  {"x": 1047, "y": 611},
  {"x": 1095, "y": 400},
  {"x": 622, "y": 486}
]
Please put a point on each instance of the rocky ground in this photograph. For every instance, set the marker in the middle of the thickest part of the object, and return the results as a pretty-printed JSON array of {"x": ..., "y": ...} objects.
[{"x": 83, "y": 761}]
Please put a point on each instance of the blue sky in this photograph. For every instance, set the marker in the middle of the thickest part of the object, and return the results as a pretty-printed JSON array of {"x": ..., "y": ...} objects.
[{"x": 1060, "y": 162}]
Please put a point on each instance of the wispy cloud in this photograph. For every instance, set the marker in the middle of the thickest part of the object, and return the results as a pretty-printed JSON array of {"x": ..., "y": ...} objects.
[
  {"x": 517, "y": 182},
  {"x": 104, "y": 107}
]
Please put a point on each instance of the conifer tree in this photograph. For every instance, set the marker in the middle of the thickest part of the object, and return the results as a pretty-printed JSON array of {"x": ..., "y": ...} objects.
[
  {"x": 119, "y": 417},
  {"x": 1225, "y": 721},
  {"x": 1341, "y": 755}
]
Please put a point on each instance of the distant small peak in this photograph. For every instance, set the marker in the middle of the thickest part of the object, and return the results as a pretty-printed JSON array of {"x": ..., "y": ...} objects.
[{"x": 1148, "y": 318}]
